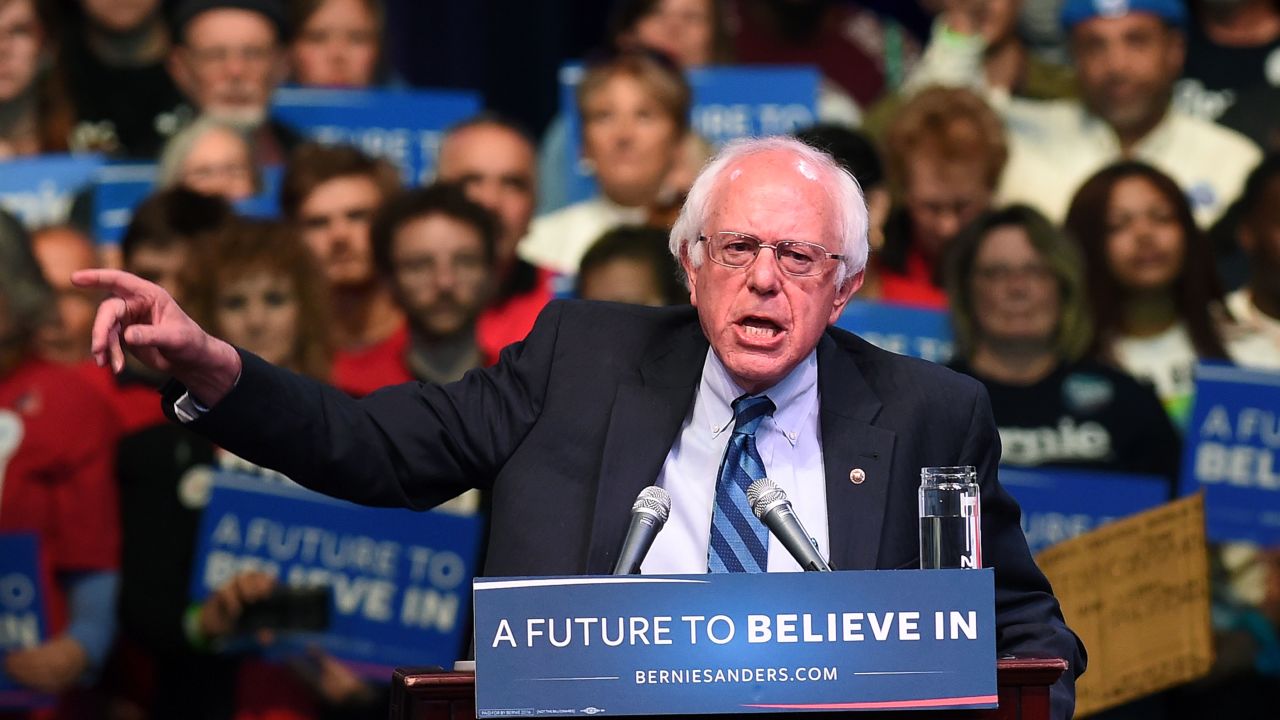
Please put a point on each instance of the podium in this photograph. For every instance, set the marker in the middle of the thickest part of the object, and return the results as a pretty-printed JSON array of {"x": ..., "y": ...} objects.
[{"x": 1023, "y": 687}]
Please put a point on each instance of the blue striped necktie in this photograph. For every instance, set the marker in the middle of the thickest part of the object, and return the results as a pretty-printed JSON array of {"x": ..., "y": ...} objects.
[{"x": 739, "y": 542}]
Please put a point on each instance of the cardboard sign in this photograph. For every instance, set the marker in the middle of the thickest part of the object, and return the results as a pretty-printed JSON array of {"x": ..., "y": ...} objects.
[
  {"x": 40, "y": 189},
  {"x": 1136, "y": 591},
  {"x": 24, "y": 619},
  {"x": 403, "y": 126},
  {"x": 1058, "y": 505},
  {"x": 1232, "y": 452},
  {"x": 735, "y": 643},
  {"x": 728, "y": 103},
  {"x": 399, "y": 578},
  {"x": 906, "y": 330}
]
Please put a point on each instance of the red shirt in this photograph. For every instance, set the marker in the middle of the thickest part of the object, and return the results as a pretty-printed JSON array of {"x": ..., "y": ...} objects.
[
  {"x": 510, "y": 320},
  {"x": 360, "y": 372},
  {"x": 57, "y": 463},
  {"x": 135, "y": 403},
  {"x": 914, "y": 287}
]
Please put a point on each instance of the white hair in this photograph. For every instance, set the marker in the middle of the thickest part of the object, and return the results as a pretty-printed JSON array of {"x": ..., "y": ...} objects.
[
  {"x": 175, "y": 152},
  {"x": 846, "y": 199}
]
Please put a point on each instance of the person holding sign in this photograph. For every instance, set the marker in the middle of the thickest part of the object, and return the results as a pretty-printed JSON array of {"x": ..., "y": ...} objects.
[
  {"x": 1022, "y": 327},
  {"x": 603, "y": 400},
  {"x": 62, "y": 492}
]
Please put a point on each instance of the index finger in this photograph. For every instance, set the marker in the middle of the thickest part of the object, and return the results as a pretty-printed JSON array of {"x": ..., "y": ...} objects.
[{"x": 116, "y": 282}]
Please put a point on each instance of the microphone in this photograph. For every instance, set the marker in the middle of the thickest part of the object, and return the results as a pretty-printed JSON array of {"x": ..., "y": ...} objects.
[
  {"x": 648, "y": 515},
  {"x": 770, "y": 504}
]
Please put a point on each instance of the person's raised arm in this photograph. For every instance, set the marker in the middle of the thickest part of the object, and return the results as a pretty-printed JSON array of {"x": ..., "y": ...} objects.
[{"x": 144, "y": 317}]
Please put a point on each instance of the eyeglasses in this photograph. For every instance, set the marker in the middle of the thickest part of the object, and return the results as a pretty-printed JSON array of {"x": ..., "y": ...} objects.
[{"x": 739, "y": 250}]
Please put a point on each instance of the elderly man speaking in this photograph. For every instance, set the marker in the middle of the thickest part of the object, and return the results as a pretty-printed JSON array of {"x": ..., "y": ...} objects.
[{"x": 602, "y": 400}]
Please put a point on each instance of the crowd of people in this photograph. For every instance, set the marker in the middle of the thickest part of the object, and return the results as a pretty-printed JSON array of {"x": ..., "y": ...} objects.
[{"x": 1095, "y": 202}]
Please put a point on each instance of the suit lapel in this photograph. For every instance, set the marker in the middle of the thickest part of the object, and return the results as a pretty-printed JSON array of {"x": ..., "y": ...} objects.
[
  {"x": 855, "y": 511},
  {"x": 646, "y": 417}
]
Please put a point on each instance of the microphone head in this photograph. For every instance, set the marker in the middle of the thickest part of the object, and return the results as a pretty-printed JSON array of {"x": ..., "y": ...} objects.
[
  {"x": 655, "y": 500},
  {"x": 763, "y": 494}
]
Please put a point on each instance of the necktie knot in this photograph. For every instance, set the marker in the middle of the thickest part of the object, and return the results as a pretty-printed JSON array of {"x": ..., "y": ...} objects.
[{"x": 749, "y": 412}]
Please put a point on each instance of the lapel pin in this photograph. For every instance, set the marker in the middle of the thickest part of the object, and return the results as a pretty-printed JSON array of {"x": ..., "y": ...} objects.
[{"x": 857, "y": 476}]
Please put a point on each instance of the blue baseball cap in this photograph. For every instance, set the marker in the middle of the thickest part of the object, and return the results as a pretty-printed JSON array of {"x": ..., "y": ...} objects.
[{"x": 1074, "y": 12}]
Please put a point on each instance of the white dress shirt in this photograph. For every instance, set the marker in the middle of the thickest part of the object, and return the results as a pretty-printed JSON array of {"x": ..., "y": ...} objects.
[{"x": 789, "y": 444}]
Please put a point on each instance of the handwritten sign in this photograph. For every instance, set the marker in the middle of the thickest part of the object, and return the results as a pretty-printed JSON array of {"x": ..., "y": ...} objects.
[{"x": 1136, "y": 591}]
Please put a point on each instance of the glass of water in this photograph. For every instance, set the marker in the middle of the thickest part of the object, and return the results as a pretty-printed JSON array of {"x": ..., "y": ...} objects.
[{"x": 950, "y": 518}]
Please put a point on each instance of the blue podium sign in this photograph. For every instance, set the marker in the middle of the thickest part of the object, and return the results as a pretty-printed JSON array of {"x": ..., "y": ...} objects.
[
  {"x": 398, "y": 578},
  {"x": 735, "y": 643},
  {"x": 403, "y": 126},
  {"x": 728, "y": 103},
  {"x": 1060, "y": 504},
  {"x": 40, "y": 190},
  {"x": 1232, "y": 444},
  {"x": 906, "y": 330},
  {"x": 24, "y": 619}
]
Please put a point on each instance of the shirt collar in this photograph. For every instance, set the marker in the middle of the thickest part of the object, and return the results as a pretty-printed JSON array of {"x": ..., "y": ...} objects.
[{"x": 793, "y": 396}]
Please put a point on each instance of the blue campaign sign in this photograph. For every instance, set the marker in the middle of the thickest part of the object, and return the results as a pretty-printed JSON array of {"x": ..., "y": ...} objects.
[
  {"x": 39, "y": 190},
  {"x": 1060, "y": 504},
  {"x": 116, "y": 192},
  {"x": 735, "y": 643},
  {"x": 399, "y": 579},
  {"x": 24, "y": 619},
  {"x": 728, "y": 103},
  {"x": 1231, "y": 452},
  {"x": 906, "y": 330},
  {"x": 403, "y": 126},
  {"x": 120, "y": 188}
]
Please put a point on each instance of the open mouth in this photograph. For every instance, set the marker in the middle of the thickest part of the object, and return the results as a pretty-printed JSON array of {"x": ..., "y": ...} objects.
[{"x": 759, "y": 328}]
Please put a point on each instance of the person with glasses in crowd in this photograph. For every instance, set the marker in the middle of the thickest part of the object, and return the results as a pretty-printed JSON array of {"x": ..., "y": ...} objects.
[{"x": 1022, "y": 326}]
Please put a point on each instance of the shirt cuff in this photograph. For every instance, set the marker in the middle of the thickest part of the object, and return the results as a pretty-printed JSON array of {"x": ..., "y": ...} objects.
[{"x": 187, "y": 409}]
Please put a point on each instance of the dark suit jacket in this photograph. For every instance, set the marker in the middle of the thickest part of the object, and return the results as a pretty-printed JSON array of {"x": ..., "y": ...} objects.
[{"x": 572, "y": 423}]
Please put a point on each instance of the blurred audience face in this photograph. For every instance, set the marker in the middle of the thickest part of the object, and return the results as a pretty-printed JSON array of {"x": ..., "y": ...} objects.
[
  {"x": 335, "y": 220},
  {"x": 1126, "y": 66},
  {"x": 219, "y": 163},
  {"x": 941, "y": 198},
  {"x": 160, "y": 265},
  {"x": 1260, "y": 239},
  {"x": 258, "y": 310},
  {"x": 682, "y": 29},
  {"x": 1016, "y": 298},
  {"x": 496, "y": 167},
  {"x": 21, "y": 44},
  {"x": 440, "y": 273},
  {"x": 229, "y": 64},
  {"x": 624, "y": 280},
  {"x": 630, "y": 139},
  {"x": 120, "y": 16},
  {"x": 60, "y": 252},
  {"x": 1145, "y": 243},
  {"x": 337, "y": 46}
]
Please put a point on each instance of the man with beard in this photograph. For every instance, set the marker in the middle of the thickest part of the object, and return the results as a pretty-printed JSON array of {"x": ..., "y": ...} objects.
[
  {"x": 331, "y": 193},
  {"x": 228, "y": 59},
  {"x": 1127, "y": 54},
  {"x": 436, "y": 249}
]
